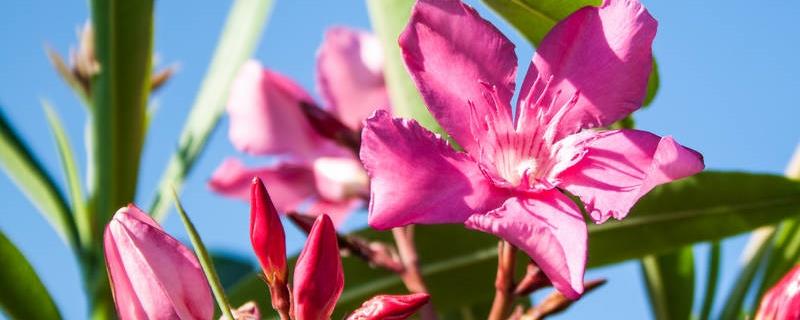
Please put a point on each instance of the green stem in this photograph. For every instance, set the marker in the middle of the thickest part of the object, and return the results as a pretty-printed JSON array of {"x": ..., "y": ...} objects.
[
  {"x": 711, "y": 281},
  {"x": 205, "y": 260}
]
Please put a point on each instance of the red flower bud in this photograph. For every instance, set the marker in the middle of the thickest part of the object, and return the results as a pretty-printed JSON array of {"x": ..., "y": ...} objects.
[
  {"x": 318, "y": 276},
  {"x": 266, "y": 234},
  {"x": 386, "y": 307},
  {"x": 783, "y": 300}
]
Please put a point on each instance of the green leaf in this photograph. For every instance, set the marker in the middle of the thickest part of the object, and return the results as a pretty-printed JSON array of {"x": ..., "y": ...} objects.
[
  {"x": 205, "y": 261},
  {"x": 236, "y": 44},
  {"x": 70, "y": 169},
  {"x": 31, "y": 178},
  {"x": 534, "y": 19},
  {"x": 231, "y": 268},
  {"x": 785, "y": 254},
  {"x": 123, "y": 32},
  {"x": 389, "y": 18},
  {"x": 707, "y": 207},
  {"x": 711, "y": 280},
  {"x": 670, "y": 283},
  {"x": 23, "y": 295},
  {"x": 755, "y": 258}
]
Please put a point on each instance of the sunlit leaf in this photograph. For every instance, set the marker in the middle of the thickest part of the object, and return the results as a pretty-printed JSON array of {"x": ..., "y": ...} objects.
[
  {"x": 670, "y": 283},
  {"x": 236, "y": 44},
  {"x": 23, "y": 295}
]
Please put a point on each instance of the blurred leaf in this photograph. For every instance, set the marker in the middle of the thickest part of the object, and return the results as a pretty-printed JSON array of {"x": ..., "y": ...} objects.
[
  {"x": 785, "y": 254},
  {"x": 70, "y": 169},
  {"x": 706, "y": 207},
  {"x": 23, "y": 295},
  {"x": 755, "y": 255},
  {"x": 534, "y": 19},
  {"x": 670, "y": 283},
  {"x": 123, "y": 46},
  {"x": 712, "y": 277},
  {"x": 31, "y": 178},
  {"x": 231, "y": 268},
  {"x": 205, "y": 261},
  {"x": 389, "y": 18},
  {"x": 236, "y": 44}
]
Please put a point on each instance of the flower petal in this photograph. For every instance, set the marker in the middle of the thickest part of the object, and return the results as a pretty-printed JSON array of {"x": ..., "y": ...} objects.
[
  {"x": 289, "y": 183},
  {"x": 550, "y": 229},
  {"x": 621, "y": 166},
  {"x": 350, "y": 75},
  {"x": 265, "y": 114},
  {"x": 603, "y": 54},
  {"x": 318, "y": 276},
  {"x": 153, "y": 276},
  {"x": 451, "y": 53},
  {"x": 416, "y": 177}
]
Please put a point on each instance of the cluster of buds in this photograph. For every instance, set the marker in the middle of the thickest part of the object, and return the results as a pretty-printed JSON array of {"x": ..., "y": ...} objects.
[
  {"x": 84, "y": 65},
  {"x": 318, "y": 277}
]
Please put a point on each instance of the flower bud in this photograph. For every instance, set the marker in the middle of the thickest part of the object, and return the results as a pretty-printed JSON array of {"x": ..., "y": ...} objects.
[
  {"x": 318, "y": 276},
  {"x": 152, "y": 275},
  {"x": 783, "y": 300},
  {"x": 387, "y": 307},
  {"x": 266, "y": 234}
]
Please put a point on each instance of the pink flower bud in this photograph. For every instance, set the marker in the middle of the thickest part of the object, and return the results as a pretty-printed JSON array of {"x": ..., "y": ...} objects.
[
  {"x": 318, "y": 276},
  {"x": 266, "y": 234},
  {"x": 153, "y": 276},
  {"x": 386, "y": 307},
  {"x": 783, "y": 300}
]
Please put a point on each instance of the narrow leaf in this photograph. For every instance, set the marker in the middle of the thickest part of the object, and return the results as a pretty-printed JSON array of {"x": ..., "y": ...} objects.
[
  {"x": 27, "y": 172},
  {"x": 123, "y": 33},
  {"x": 389, "y": 18},
  {"x": 23, "y": 295},
  {"x": 236, "y": 44},
  {"x": 534, "y": 19},
  {"x": 82, "y": 218},
  {"x": 670, "y": 283},
  {"x": 754, "y": 261},
  {"x": 712, "y": 277},
  {"x": 205, "y": 261}
]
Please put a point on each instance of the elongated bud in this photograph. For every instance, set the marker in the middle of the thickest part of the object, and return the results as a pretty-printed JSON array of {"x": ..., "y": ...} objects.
[
  {"x": 266, "y": 234},
  {"x": 387, "y": 307},
  {"x": 783, "y": 300},
  {"x": 318, "y": 276},
  {"x": 153, "y": 276},
  {"x": 329, "y": 126}
]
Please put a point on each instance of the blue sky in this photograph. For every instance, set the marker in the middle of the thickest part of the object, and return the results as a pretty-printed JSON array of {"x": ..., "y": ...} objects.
[{"x": 728, "y": 89}]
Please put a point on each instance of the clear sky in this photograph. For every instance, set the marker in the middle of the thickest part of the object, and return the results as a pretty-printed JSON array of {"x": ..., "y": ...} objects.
[{"x": 728, "y": 89}]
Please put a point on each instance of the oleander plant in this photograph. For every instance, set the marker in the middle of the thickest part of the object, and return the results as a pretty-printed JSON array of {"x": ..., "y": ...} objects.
[{"x": 474, "y": 196}]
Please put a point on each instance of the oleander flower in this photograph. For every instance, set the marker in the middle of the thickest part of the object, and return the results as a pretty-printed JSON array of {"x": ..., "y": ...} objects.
[
  {"x": 516, "y": 168},
  {"x": 267, "y": 120},
  {"x": 782, "y": 301},
  {"x": 152, "y": 275}
]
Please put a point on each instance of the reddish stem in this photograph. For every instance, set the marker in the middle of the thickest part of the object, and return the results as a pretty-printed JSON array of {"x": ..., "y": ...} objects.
[
  {"x": 504, "y": 282},
  {"x": 411, "y": 275}
]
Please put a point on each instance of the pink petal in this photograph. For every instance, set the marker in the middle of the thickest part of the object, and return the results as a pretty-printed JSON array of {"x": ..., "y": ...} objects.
[
  {"x": 289, "y": 183},
  {"x": 783, "y": 300},
  {"x": 416, "y": 177},
  {"x": 265, "y": 115},
  {"x": 340, "y": 178},
  {"x": 153, "y": 276},
  {"x": 318, "y": 276},
  {"x": 338, "y": 211},
  {"x": 390, "y": 307},
  {"x": 350, "y": 75},
  {"x": 449, "y": 51},
  {"x": 621, "y": 166},
  {"x": 550, "y": 229},
  {"x": 604, "y": 53}
]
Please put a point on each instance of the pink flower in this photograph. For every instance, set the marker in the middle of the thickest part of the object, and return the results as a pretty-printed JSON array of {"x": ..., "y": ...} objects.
[
  {"x": 386, "y": 307},
  {"x": 318, "y": 276},
  {"x": 782, "y": 302},
  {"x": 266, "y": 119},
  {"x": 153, "y": 276},
  {"x": 589, "y": 71}
]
